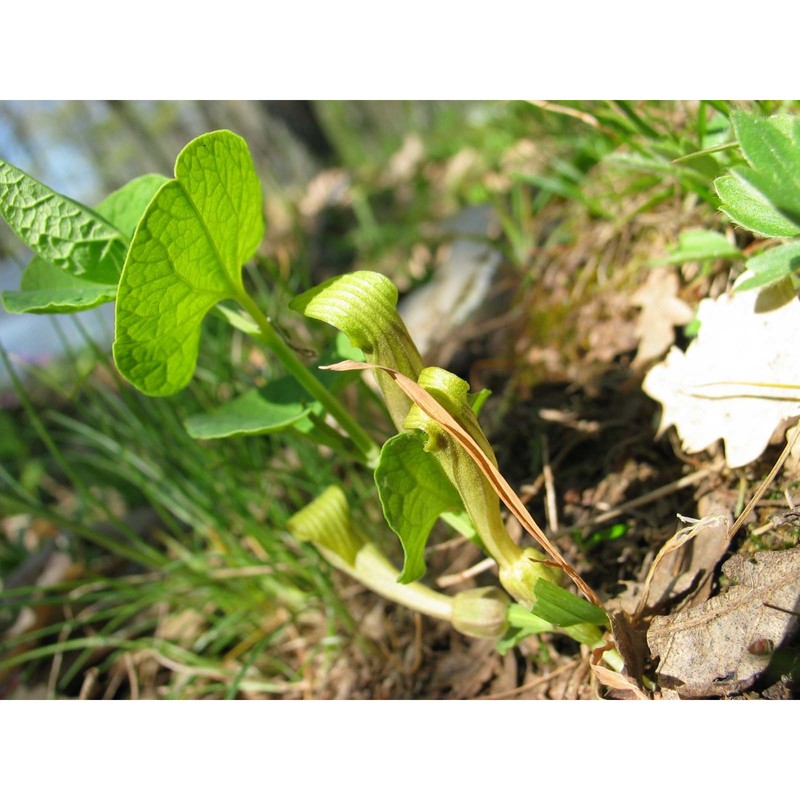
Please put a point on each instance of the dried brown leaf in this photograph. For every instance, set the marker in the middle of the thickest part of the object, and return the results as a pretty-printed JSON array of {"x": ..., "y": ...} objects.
[
  {"x": 716, "y": 527},
  {"x": 661, "y": 311},
  {"x": 704, "y": 651},
  {"x": 614, "y": 680}
]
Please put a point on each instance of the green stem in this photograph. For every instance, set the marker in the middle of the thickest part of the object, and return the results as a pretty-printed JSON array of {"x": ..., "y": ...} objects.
[
  {"x": 583, "y": 632},
  {"x": 376, "y": 572},
  {"x": 361, "y": 439},
  {"x": 520, "y": 617}
]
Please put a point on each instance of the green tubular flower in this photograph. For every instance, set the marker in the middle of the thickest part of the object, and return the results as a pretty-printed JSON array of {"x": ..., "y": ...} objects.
[
  {"x": 519, "y": 569},
  {"x": 325, "y": 522},
  {"x": 363, "y": 305}
]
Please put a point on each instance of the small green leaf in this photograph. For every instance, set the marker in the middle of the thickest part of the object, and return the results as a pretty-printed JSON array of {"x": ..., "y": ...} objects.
[
  {"x": 765, "y": 197},
  {"x": 282, "y": 403},
  {"x": 255, "y": 412},
  {"x": 414, "y": 491},
  {"x": 186, "y": 256},
  {"x": 60, "y": 230},
  {"x": 750, "y": 209},
  {"x": 326, "y": 522},
  {"x": 772, "y": 265},
  {"x": 46, "y": 289},
  {"x": 788, "y": 125},
  {"x": 125, "y": 207},
  {"x": 701, "y": 244},
  {"x": 778, "y": 191},
  {"x": 600, "y": 537},
  {"x": 562, "y": 608},
  {"x": 774, "y": 157},
  {"x": 476, "y": 400}
]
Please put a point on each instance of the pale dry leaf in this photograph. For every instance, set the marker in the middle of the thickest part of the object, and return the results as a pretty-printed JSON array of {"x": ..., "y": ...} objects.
[
  {"x": 703, "y": 650},
  {"x": 616, "y": 681},
  {"x": 328, "y": 188},
  {"x": 404, "y": 164},
  {"x": 715, "y": 526},
  {"x": 661, "y": 311},
  {"x": 723, "y": 386}
]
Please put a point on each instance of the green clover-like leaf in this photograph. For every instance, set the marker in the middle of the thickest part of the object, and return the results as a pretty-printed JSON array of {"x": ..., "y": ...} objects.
[
  {"x": 700, "y": 245},
  {"x": 186, "y": 256},
  {"x": 772, "y": 266}
]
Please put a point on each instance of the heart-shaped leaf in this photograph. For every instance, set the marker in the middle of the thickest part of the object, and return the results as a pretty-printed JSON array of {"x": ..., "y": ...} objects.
[
  {"x": 125, "y": 207},
  {"x": 186, "y": 256},
  {"x": 47, "y": 289},
  {"x": 414, "y": 491},
  {"x": 60, "y": 230},
  {"x": 281, "y": 404}
]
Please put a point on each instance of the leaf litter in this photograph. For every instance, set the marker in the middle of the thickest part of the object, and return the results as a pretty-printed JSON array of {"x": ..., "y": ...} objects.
[{"x": 719, "y": 647}]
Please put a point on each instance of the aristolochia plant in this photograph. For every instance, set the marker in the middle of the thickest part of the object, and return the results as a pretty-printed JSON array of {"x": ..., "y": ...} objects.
[{"x": 170, "y": 252}]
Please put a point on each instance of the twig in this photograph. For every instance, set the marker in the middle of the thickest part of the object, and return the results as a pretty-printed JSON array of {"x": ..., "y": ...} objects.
[
  {"x": 89, "y": 680},
  {"x": 530, "y": 685},
  {"x": 583, "y": 116},
  {"x": 551, "y": 508},
  {"x": 459, "y": 577},
  {"x": 765, "y": 484},
  {"x": 648, "y": 497},
  {"x": 133, "y": 681}
]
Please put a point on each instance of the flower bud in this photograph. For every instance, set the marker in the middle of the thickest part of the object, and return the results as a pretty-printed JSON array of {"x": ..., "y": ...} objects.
[{"x": 481, "y": 612}]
